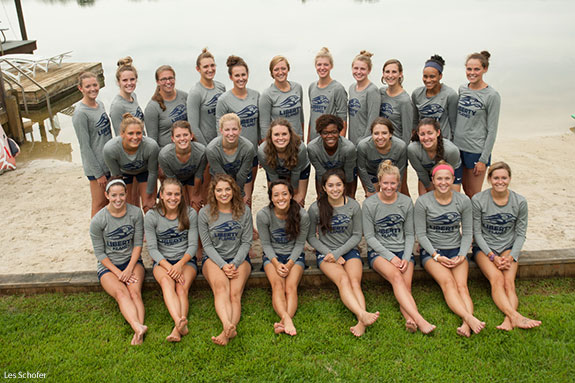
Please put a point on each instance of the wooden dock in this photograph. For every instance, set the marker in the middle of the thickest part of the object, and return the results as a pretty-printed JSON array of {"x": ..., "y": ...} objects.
[{"x": 60, "y": 82}]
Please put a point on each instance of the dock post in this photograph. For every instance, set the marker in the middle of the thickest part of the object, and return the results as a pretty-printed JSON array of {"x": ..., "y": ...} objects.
[
  {"x": 42, "y": 128},
  {"x": 14, "y": 118}
]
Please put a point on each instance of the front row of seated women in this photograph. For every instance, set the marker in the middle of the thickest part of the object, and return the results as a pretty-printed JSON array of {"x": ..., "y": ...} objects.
[{"x": 441, "y": 220}]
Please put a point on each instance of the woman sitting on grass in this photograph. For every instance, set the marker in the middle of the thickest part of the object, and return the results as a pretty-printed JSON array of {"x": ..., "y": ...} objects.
[
  {"x": 117, "y": 233},
  {"x": 283, "y": 226},
  {"x": 499, "y": 227},
  {"x": 389, "y": 232},
  {"x": 172, "y": 236},
  {"x": 335, "y": 231},
  {"x": 443, "y": 225},
  {"x": 225, "y": 226}
]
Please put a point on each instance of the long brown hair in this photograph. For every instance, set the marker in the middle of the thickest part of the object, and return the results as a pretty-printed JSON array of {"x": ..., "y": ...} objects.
[
  {"x": 157, "y": 96},
  {"x": 238, "y": 206},
  {"x": 293, "y": 217},
  {"x": 183, "y": 218},
  {"x": 324, "y": 207},
  {"x": 291, "y": 150},
  {"x": 440, "y": 151}
]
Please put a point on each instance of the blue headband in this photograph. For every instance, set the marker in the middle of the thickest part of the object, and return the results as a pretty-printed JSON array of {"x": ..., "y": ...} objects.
[{"x": 435, "y": 65}]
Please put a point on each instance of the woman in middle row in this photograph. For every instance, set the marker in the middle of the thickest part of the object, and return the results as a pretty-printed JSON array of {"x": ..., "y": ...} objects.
[{"x": 335, "y": 231}]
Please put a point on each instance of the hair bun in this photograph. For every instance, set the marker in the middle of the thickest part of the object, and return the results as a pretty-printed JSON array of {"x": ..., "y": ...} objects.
[
  {"x": 126, "y": 61},
  {"x": 438, "y": 59}
]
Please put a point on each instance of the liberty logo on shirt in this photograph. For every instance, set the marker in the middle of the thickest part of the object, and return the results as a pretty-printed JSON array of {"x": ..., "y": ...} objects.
[
  {"x": 280, "y": 236},
  {"x": 353, "y": 106},
  {"x": 445, "y": 223},
  {"x": 466, "y": 106},
  {"x": 232, "y": 168},
  {"x": 498, "y": 223},
  {"x": 120, "y": 238},
  {"x": 179, "y": 113},
  {"x": 138, "y": 113},
  {"x": 227, "y": 231},
  {"x": 388, "y": 226},
  {"x": 187, "y": 170},
  {"x": 211, "y": 104},
  {"x": 319, "y": 104},
  {"x": 339, "y": 223},
  {"x": 134, "y": 165},
  {"x": 246, "y": 116},
  {"x": 385, "y": 110},
  {"x": 333, "y": 164},
  {"x": 290, "y": 103},
  {"x": 172, "y": 236},
  {"x": 103, "y": 126},
  {"x": 432, "y": 110}
]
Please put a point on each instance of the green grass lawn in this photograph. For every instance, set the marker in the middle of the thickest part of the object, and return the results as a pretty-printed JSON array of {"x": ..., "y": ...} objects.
[{"x": 83, "y": 337}]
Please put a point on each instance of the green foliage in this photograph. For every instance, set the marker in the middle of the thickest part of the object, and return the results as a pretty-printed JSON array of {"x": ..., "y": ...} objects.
[{"x": 83, "y": 338}]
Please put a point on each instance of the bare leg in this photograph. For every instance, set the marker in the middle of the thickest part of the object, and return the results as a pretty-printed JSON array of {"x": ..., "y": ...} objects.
[
  {"x": 148, "y": 200},
  {"x": 236, "y": 290},
  {"x": 460, "y": 274},
  {"x": 135, "y": 194},
  {"x": 404, "y": 188},
  {"x": 206, "y": 183},
  {"x": 517, "y": 320},
  {"x": 99, "y": 200},
  {"x": 278, "y": 296},
  {"x": 420, "y": 188},
  {"x": 403, "y": 294},
  {"x": 220, "y": 285},
  {"x": 471, "y": 183}
]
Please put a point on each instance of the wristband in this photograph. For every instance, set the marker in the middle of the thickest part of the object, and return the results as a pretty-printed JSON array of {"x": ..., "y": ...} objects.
[
  {"x": 491, "y": 256},
  {"x": 436, "y": 256}
]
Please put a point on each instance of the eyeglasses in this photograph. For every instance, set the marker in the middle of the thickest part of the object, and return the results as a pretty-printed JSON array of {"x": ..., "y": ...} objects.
[
  {"x": 166, "y": 79},
  {"x": 325, "y": 133}
]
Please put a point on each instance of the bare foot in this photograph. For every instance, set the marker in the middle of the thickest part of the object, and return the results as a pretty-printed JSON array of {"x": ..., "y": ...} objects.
[
  {"x": 230, "y": 331},
  {"x": 523, "y": 322},
  {"x": 464, "y": 330},
  {"x": 506, "y": 325},
  {"x": 138, "y": 338},
  {"x": 289, "y": 326},
  {"x": 174, "y": 336},
  {"x": 367, "y": 319},
  {"x": 475, "y": 324},
  {"x": 410, "y": 326},
  {"x": 279, "y": 328},
  {"x": 182, "y": 326},
  {"x": 426, "y": 327},
  {"x": 358, "y": 330},
  {"x": 221, "y": 340}
]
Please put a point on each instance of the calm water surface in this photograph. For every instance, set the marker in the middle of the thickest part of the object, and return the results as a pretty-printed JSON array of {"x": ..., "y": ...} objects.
[{"x": 531, "y": 43}]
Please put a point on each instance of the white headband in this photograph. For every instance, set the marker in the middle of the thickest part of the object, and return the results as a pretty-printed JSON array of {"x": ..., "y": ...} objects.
[{"x": 114, "y": 182}]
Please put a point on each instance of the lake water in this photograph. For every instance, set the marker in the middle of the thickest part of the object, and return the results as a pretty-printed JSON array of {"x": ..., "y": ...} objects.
[{"x": 531, "y": 43}]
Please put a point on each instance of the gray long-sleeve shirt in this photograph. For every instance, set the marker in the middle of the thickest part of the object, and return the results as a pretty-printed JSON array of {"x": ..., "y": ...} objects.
[
  {"x": 329, "y": 100},
  {"x": 363, "y": 107},
  {"x": 238, "y": 165},
  {"x": 442, "y": 107},
  {"x": 145, "y": 159},
  {"x": 438, "y": 226},
  {"x": 346, "y": 229},
  {"x": 166, "y": 241},
  {"x": 120, "y": 106},
  {"x": 477, "y": 120},
  {"x": 225, "y": 238},
  {"x": 93, "y": 130},
  {"x": 420, "y": 161},
  {"x": 389, "y": 227},
  {"x": 159, "y": 123},
  {"x": 369, "y": 158},
  {"x": 499, "y": 228},
  {"x": 398, "y": 110},
  {"x": 345, "y": 158},
  {"x": 273, "y": 234},
  {"x": 275, "y": 103},
  {"x": 281, "y": 171},
  {"x": 193, "y": 167},
  {"x": 247, "y": 110},
  {"x": 115, "y": 237},
  {"x": 202, "y": 110}
]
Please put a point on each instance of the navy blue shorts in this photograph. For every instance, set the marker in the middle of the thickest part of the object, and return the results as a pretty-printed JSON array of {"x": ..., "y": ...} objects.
[
  {"x": 193, "y": 263},
  {"x": 449, "y": 253},
  {"x": 475, "y": 249},
  {"x": 353, "y": 253},
  {"x": 458, "y": 174},
  {"x": 140, "y": 177},
  {"x": 188, "y": 182},
  {"x": 92, "y": 178},
  {"x": 470, "y": 159},
  {"x": 284, "y": 258},
  {"x": 121, "y": 266},
  {"x": 371, "y": 255},
  {"x": 248, "y": 260}
]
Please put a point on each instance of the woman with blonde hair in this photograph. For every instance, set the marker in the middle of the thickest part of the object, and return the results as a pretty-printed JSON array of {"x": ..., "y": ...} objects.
[
  {"x": 364, "y": 98},
  {"x": 126, "y": 101}
]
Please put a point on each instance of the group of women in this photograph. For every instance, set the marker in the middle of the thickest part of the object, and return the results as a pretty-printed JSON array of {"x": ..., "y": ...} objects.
[{"x": 207, "y": 177}]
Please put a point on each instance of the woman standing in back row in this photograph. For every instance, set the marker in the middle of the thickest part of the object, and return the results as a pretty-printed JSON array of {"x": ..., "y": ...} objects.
[
  {"x": 477, "y": 120},
  {"x": 126, "y": 101},
  {"x": 434, "y": 99},
  {"x": 326, "y": 96},
  {"x": 364, "y": 99}
]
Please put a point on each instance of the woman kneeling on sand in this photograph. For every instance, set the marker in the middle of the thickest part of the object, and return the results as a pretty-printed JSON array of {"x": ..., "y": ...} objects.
[
  {"x": 226, "y": 229},
  {"x": 117, "y": 233},
  {"x": 171, "y": 229}
]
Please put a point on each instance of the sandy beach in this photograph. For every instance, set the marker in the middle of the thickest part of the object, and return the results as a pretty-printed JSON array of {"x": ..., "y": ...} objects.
[{"x": 45, "y": 205}]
